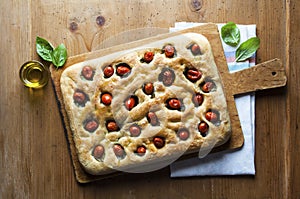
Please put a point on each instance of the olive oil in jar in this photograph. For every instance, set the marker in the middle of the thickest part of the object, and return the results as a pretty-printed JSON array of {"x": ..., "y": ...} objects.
[{"x": 34, "y": 74}]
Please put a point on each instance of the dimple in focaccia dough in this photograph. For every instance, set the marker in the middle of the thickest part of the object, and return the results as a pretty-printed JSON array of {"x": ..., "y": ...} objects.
[{"x": 170, "y": 121}]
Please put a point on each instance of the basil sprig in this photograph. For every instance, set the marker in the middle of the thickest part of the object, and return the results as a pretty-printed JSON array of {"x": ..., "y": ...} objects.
[
  {"x": 45, "y": 49},
  {"x": 230, "y": 34},
  {"x": 247, "y": 49},
  {"x": 59, "y": 55}
]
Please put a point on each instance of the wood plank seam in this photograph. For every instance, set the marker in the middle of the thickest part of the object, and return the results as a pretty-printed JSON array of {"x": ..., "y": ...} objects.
[{"x": 287, "y": 181}]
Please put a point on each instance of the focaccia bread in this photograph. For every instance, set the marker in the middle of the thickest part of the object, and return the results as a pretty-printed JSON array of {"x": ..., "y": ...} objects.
[{"x": 140, "y": 109}]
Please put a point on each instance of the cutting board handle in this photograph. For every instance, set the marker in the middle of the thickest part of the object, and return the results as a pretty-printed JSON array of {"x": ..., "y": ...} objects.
[{"x": 269, "y": 74}]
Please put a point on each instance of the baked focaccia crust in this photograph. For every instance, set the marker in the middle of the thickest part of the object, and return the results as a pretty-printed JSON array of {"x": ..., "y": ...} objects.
[{"x": 140, "y": 109}]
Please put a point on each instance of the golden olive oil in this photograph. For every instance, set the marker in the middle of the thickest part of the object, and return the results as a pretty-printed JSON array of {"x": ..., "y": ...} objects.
[{"x": 34, "y": 74}]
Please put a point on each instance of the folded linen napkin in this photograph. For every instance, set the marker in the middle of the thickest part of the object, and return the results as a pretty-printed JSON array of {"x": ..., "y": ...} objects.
[{"x": 238, "y": 162}]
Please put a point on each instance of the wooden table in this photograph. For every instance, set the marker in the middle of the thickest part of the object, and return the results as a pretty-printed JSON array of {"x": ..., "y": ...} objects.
[{"x": 34, "y": 158}]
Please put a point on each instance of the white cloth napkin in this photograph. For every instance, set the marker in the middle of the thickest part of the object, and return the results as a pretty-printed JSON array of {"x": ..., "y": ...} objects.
[{"x": 238, "y": 162}]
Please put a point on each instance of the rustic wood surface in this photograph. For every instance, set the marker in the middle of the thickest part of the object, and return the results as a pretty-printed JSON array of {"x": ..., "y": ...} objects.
[{"x": 34, "y": 158}]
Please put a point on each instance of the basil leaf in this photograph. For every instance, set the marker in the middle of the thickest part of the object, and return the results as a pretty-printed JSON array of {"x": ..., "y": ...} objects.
[
  {"x": 59, "y": 55},
  {"x": 230, "y": 34},
  {"x": 44, "y": 48},
  {"x": 247, "y": 49}
]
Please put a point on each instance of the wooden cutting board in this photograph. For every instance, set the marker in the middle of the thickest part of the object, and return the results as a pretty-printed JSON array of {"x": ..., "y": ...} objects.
[{"x": 267, "y": 75}]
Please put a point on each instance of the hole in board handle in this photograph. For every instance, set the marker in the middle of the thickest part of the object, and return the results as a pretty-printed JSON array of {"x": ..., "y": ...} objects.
[{"x": 274, "y": 73}]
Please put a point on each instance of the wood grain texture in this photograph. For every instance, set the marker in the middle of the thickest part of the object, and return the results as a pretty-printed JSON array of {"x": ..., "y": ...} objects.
[
  {"x": 34, "y": 158},
  {"x": 293, "y": 100},
  {"x": 14, "y": 108},
  {"x": 266, "y": 75}
]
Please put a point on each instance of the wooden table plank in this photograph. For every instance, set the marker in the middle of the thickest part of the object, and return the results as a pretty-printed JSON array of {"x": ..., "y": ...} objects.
[
  {"x": 292, "y": 134},
  {"x": 34, "y": 158},
  {"x": 14, "y": 137}
]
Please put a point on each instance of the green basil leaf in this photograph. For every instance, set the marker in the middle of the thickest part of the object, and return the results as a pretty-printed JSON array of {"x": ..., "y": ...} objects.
[
  {"x": 44, "y": 49},
  {"x": 247, "y": 49},
  {"x": 230, "y": 34},
  {"x": 59, "y": 55}
]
